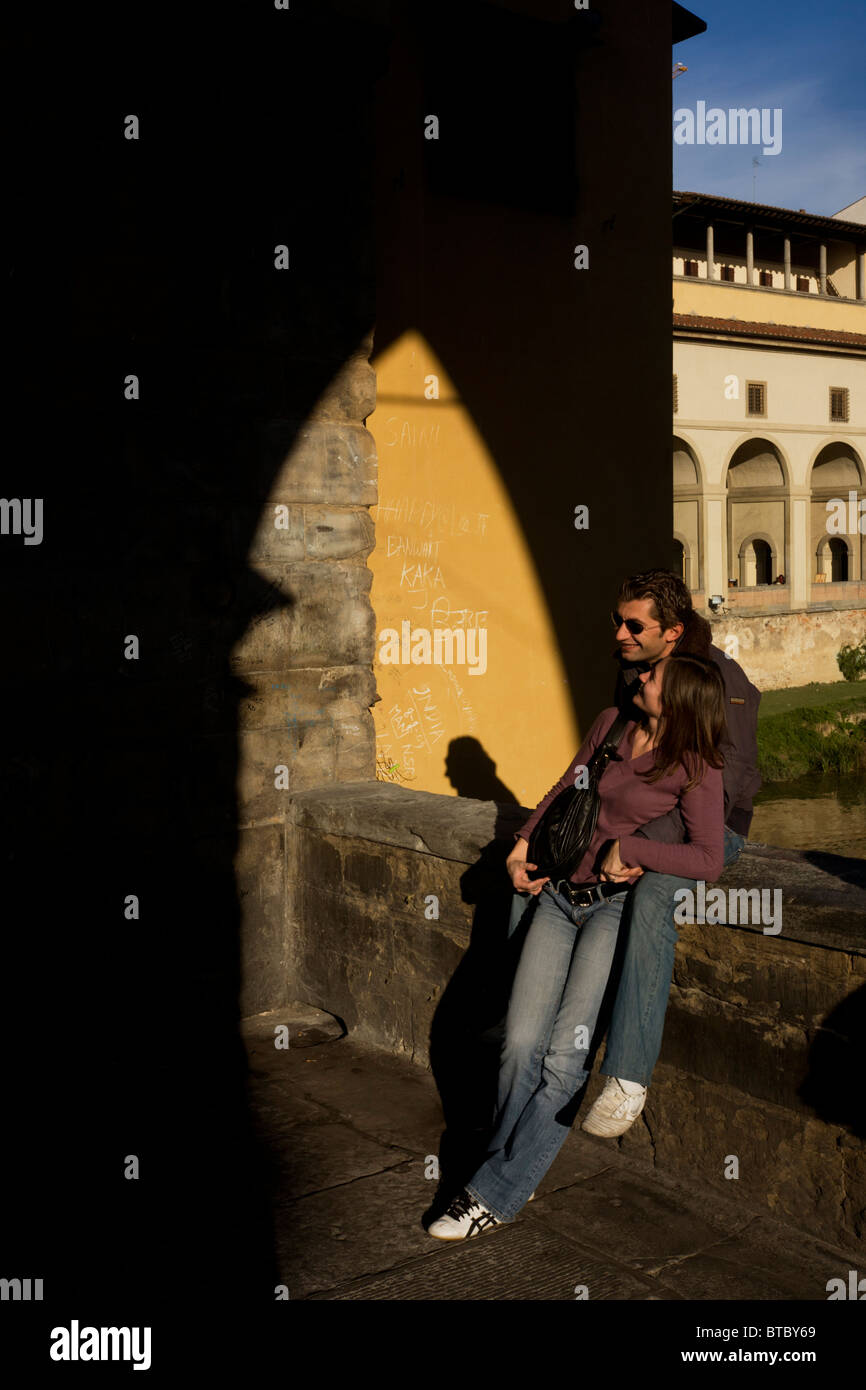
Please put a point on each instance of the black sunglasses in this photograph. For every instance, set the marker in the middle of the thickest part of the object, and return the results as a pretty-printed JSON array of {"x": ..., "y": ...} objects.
[{"x": 634, "y": 627}]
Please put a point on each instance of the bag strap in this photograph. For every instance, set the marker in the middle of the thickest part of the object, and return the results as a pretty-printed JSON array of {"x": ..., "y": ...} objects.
[{"x": 613, "y": 738}]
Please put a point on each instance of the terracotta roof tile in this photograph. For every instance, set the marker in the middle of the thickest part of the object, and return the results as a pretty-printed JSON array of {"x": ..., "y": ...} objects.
[{"x": 791, "y": 331}]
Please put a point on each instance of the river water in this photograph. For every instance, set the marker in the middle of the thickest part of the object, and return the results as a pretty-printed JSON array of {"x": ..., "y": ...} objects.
[{"x": 821, "y": 811}]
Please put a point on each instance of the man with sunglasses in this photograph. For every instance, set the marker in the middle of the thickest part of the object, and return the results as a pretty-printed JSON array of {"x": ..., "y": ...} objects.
[{"x": 653, "y": 618}]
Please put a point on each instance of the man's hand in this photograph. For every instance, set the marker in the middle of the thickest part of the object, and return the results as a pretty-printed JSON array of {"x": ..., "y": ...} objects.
[
  {"x": 614, "y": 871},
  {"x": 516, "y": 864}
]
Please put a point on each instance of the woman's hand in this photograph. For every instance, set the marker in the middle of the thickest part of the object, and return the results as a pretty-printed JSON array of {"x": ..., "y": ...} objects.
[
  {"x": 516, "y": 864},
  {"x": 613, "y": 869}
]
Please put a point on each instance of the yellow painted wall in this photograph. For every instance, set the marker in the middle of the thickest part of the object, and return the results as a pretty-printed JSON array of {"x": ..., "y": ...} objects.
[
  {"x": 451, "y": 553},
  {"x": 724, "y": 301}
]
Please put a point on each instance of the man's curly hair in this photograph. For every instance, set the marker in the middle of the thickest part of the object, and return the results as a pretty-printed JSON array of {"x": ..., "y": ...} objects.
[{"x": 671, "y": 603}]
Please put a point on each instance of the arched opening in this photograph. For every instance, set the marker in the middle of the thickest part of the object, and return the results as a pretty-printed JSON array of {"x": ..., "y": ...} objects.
[
  {"x": 763, "y": 562},
  {"x": 756, "y": 562},
  {"x": 838, "y": 560},
  {"x": 687, "y": 507},
  {"x": 833, "y": 560},
  {"x": 757, "y": 492},
  {"x": 837, "y": 485}
]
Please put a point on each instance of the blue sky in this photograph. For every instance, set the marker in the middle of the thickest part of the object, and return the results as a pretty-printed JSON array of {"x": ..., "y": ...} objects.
[{"x": 808, "y": 59}]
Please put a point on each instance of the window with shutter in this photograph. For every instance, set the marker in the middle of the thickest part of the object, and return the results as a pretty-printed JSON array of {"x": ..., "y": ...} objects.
[
  {"x": 756, "y": 398},
  {"x": 839, "y": 403}
]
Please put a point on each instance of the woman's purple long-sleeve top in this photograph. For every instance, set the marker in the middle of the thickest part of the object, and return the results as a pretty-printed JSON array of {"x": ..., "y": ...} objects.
[{"x": 628, "y": 801}]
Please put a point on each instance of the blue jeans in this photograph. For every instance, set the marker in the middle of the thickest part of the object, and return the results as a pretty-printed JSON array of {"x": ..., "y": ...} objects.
[
  {"x": 635, "y": 1034},
  {"x": 552, "y": 1013}
]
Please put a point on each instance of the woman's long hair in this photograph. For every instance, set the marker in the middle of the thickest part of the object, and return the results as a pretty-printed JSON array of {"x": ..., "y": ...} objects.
[{"x": 692, "y": 724}]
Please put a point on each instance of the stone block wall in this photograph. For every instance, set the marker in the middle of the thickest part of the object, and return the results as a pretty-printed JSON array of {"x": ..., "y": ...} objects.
[
  {"x": 780, "y": 650},
  {"x": 396, "y": 921},
  {"x": 759, "y": 1060},
  {"x": 306, "y": 658}
]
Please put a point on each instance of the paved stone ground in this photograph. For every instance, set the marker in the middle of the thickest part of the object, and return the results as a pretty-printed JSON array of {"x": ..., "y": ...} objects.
[{"x": 346, "y": 1132}]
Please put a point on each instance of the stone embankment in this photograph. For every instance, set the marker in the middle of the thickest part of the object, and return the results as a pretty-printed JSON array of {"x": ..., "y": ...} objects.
[{"x": 395, "y": 922}]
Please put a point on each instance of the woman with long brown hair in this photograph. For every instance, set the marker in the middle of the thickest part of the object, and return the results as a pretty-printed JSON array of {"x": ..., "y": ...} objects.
[{"x": 669, "y": 757}]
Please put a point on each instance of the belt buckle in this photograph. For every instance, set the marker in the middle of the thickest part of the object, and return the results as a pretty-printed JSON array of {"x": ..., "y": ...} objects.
[{"x": 583, "y": 897}]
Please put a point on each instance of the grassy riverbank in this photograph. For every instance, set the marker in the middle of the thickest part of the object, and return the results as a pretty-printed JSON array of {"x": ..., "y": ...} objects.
[{"x": 812, "y": 728}]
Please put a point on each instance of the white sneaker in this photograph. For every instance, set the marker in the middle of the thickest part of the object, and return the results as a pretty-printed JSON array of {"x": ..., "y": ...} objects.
[
  {"x": 615, "y": 1109},
  {"x": 465, "y": 1217}
]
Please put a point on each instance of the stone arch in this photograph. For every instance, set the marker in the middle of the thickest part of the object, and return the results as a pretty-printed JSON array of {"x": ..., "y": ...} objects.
[
  {"x": 834, "y": 559},
  {"x": 835, "y": 473},
  {"x": 757, "y": 560},
  {"x": 835, "y": 451},
  {"x": 688, "y": 488},
  {"x": 688, "y": 470},
  {"x": 747, "y": 449},
  {"x": 686, "y": 558},
  {"x": 757, "y": 483}
]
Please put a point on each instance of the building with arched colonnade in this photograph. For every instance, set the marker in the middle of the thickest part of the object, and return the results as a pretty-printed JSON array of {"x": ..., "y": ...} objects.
[{"x": 769, "y": 440}]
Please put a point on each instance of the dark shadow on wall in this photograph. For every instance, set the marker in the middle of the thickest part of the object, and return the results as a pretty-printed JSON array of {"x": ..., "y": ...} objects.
[
  {"x": 848, "y": 870},
  {"x": 837, "y": 1060},
  {"x": 155, "y": 257},
  {"x": 472, "y": 772},
  {"x": 466, "y": 1031},
  {"x": 140, "y": 1190}
]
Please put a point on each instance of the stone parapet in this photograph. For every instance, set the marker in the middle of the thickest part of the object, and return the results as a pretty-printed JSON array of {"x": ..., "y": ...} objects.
[
  {"x": 396, "y": 917},
  {"x": 780, "y": 650}
]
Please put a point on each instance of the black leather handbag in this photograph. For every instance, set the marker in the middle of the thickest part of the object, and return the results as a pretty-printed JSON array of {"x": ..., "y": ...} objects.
[{"x": 565, "y": 831}]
